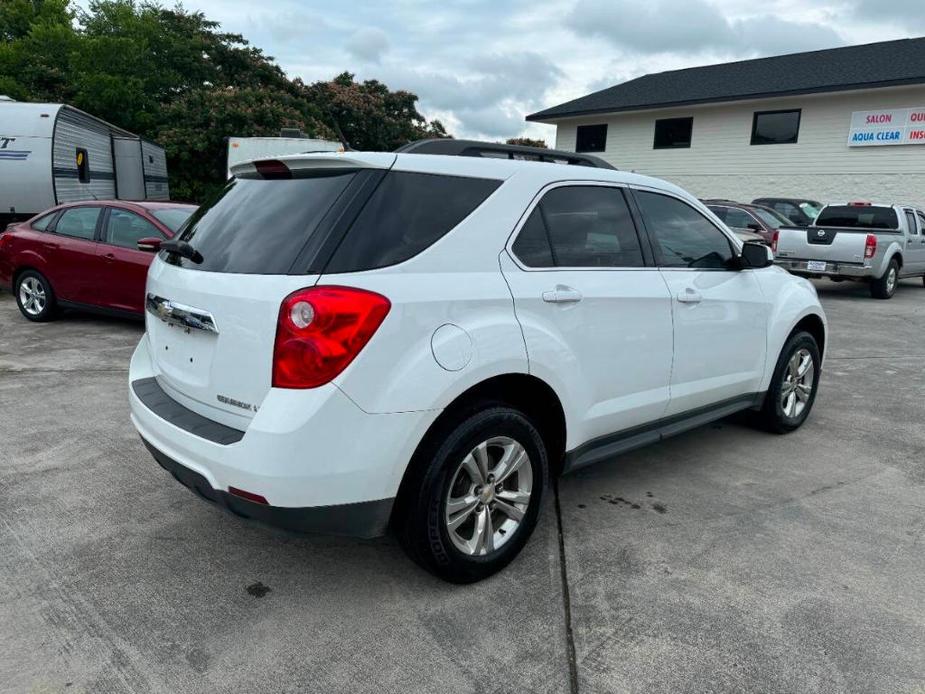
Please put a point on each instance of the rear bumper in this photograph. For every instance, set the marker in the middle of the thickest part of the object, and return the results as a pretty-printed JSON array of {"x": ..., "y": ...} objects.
[
  {"x": 798, "y": 266},
  {"x": 322, "y": 464},
  {"x": 365, "y": 519}
]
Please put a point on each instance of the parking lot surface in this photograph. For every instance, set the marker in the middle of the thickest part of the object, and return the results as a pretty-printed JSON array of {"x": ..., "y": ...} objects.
[{"x": 722, "y": 560}]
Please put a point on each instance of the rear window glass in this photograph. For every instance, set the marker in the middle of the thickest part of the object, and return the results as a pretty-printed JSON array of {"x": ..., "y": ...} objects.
[
  {"x": 858, "y": 216},
  {"x": 407, "y": 213},
  {"x": 259, "y": 226}
]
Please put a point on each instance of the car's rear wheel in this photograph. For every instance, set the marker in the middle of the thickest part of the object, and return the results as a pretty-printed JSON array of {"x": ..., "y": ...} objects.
[
  {"x": 35, "y": 297},
  {"x": 793, "y": 387},
  {"x": 476, "y": 494},
  {"x": 884, "y": 287}
]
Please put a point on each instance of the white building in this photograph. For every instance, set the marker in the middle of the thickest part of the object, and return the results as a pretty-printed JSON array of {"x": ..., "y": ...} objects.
[{"x": 840, "y": 124}]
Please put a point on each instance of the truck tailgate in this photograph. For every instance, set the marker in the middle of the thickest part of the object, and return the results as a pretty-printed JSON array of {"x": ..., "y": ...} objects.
[{"x": 823, "y": 243}]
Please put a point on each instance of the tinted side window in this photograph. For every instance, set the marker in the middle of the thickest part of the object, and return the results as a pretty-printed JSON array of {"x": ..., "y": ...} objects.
[
  {"x": 590, "y": 226},
  {"x": 532, "y": 243},
  {"x": 739, "y": 219},
  {"x": 126, "y": 228},
  {"x": 682, "y": 236},
  {"x": 789, "y": 211},
  {"x": 79, "y": 222},
  {"x": 407, "y": 213},
  {"x": 910, "y": 220}
]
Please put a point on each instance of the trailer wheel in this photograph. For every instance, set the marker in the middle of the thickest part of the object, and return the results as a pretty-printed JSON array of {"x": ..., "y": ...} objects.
[
  {"x": 35, "y": 297},
  {"x": 885, "y": 286}
]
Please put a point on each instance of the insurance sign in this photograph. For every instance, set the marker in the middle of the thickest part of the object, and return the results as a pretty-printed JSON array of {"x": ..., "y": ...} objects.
[{"x": 895, "y": 126}]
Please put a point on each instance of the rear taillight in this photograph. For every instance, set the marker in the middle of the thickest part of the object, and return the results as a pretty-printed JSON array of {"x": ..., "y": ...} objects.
[
  {"x": 320, "y": 331},
  {"x": 774, "y": 240},
  {"x": 870, "y": 246}
]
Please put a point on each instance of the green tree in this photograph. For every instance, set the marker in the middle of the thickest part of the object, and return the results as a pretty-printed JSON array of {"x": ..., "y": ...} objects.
[
  {"x": 174, "y": 77},
  {"x": 526, "y": 142},
  {"x": 371, "y": 116},
  {"x": 195, "y": 127}
]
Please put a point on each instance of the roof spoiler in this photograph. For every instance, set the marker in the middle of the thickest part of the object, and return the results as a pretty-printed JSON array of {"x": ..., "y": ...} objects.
[
  {"x": 494, "y": 150},
  {"x": 309, "y": 163}
]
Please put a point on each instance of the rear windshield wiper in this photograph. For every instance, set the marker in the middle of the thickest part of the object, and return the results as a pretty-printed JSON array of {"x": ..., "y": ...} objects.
[{"x": 182, "y": 249}]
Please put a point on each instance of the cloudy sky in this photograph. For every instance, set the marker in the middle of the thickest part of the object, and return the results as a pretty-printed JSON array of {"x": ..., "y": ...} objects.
[{"x": 481, "y": 65}]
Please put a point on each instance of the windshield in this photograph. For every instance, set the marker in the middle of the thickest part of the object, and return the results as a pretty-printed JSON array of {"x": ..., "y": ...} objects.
[
  {"x": 173, "y": 217},
  {"x": 771, "y": 218},
  {"x": 858, "y": 216}
]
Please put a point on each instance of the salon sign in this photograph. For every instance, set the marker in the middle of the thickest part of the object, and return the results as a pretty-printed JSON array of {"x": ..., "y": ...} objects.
[{"x": 895, "y": 126}]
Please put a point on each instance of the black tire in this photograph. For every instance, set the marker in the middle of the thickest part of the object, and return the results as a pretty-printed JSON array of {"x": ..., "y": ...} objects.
[
  {"x": 884, "y": 287},
  {"x": 422, "y": 525},
  {"x": 34, "y": 279},
  {"x": 772, "y": 415}
]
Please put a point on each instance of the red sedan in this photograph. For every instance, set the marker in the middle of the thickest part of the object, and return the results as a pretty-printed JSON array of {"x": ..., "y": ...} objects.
[{"x": 91, "y": 255}]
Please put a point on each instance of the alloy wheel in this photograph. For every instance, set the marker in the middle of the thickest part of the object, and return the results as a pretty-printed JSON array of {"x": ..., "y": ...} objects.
[
  {"x": 32, "y": 296},
  {"x": 798, "y": 383},
  {"x": 488, "y": 496}
]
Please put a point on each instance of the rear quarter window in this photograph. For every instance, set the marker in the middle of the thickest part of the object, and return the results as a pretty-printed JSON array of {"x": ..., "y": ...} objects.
[
  {"x": 858, "y": 216},
  {"x": 407, "y": 213}
]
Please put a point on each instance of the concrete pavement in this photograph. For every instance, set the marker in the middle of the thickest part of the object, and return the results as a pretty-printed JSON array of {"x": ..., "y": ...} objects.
[{"x": 725, "y": 559}]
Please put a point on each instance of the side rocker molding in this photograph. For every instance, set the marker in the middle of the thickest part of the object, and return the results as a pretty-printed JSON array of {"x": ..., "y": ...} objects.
[{"x": 611, "y": 445}]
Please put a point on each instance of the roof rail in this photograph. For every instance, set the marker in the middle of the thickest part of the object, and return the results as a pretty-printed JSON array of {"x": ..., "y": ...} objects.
[{"x": 494, "y": 150}]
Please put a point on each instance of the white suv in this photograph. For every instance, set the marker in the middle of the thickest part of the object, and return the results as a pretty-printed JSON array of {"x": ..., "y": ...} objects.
[{"x": 343, "y": 343}]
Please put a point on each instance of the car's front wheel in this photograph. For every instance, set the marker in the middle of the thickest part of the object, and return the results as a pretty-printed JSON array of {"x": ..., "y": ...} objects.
[
  {"x": 475, "y": 495},
  {"x": 34, "y": 296},
  {"x": 792, "y": 391}
]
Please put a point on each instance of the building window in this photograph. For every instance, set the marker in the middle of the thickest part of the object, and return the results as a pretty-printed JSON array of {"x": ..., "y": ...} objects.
[
  {"x": 776, "y": 127},
  {"x": 591, "y": 138},
  {"x": 673, "y": 132}
]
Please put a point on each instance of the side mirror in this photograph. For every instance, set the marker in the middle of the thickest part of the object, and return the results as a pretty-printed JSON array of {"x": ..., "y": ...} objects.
[
  {"x": 755, "y": 255},
  {"x": 151, "y": 244},
  {"x": 754, "y": 227}
]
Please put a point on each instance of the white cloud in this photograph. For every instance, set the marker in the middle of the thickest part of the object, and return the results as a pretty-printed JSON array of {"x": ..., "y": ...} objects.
[
  {"x": 482, "y": 65},
  {"x": 368, "y": 44}
]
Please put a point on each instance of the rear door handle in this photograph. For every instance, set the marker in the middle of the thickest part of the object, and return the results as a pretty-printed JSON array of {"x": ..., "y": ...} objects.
[
  {"x": 562, "y": 294},
  {"x": 690, "y": 296}
]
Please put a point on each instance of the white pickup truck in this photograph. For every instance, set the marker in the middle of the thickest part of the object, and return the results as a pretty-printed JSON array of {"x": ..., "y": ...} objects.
[{"x": 878, "y": 244}]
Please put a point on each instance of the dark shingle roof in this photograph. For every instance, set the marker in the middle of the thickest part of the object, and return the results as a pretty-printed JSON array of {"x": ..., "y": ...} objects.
[{"x": 852, "y": 67}]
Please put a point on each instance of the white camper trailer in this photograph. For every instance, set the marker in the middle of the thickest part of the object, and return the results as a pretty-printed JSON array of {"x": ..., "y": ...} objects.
[
  {"x": 242, "y": 149},
  {"x": 54, "y": 153}
]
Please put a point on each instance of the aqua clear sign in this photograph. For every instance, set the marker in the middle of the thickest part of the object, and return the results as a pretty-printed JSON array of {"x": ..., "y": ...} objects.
[{"x": 895, "y": 126}]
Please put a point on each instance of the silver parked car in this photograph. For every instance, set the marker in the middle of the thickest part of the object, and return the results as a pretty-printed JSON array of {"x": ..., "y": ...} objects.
[{"x": 862, "y": 241}]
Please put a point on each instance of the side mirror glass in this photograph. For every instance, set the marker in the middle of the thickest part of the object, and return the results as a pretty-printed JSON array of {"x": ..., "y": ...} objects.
[
  {"x": 755, "y": 255},
  {"x": 150, "y": 245}
]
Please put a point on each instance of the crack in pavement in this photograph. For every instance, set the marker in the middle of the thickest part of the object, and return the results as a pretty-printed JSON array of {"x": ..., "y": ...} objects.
[{"x": 566, "y": 596}]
